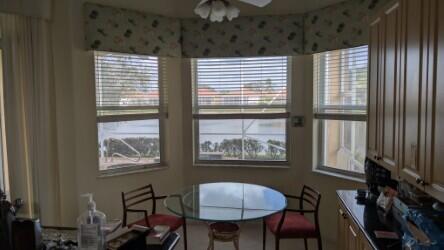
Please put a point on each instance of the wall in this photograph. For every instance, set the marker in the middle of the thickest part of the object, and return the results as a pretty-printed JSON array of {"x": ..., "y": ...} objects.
[
  {"x": 77, "y": 131},
  {"x": 288, "y": 180}
]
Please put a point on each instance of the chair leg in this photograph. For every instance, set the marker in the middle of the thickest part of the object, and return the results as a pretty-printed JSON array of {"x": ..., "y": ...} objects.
[
  {"x": 210, "y": 242},
  {"x": 185, "y": 234},
  {"x": 305, "y": 244},
  {"x": 319, "y": 243},
  {"x": 277, "y": 243},
  {"x": 236, "y": 243},
  {"x": 264, "y": 234}
]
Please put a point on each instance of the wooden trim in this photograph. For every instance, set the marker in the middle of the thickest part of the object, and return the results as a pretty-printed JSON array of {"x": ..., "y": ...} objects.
[
  {"x": 241, "y": 116},
  {"x": 133, "y": 117},
  {"x": 341, "y": 117}
]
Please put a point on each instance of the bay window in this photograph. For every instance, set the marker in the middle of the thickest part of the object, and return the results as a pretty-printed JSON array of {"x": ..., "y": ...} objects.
[
  {"x": 340, "y": 109},
  {"x": 129, "y": 111},
  {"x": 240, "y": 110}
]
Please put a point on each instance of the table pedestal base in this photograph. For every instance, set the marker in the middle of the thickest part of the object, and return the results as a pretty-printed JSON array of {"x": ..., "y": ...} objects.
[{"x": 223, "y": 232}]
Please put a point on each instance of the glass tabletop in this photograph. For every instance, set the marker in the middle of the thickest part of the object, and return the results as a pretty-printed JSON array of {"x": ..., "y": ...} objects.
[{"x": 226, "y": 201}]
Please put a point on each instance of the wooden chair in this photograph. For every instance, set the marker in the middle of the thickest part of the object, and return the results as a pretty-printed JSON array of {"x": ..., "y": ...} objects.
[
  {"x": 292, "y": 223},
  {"x": 146, "y": 194}
]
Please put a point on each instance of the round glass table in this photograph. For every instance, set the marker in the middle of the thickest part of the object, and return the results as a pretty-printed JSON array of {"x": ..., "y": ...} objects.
[{"x": 226, "y": 202}]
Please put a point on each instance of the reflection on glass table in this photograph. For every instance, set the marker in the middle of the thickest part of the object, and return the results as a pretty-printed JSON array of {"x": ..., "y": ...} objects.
[{"x": 226, "y": 201}]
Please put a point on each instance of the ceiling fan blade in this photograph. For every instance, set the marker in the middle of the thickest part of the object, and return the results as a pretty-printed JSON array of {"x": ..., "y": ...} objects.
[{"x": 258, "y": 3}]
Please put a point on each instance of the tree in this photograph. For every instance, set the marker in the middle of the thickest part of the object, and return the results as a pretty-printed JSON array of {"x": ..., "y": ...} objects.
[
  {"x": 232, "y": 147},
  {"x": 252, "y": 148},
  {"x": 206, "y": 146},
  {"x": 216, "y": 147}
]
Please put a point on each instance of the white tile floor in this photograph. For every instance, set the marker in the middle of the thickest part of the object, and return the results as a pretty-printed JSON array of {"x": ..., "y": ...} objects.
[{"x": 251, "y": 239}]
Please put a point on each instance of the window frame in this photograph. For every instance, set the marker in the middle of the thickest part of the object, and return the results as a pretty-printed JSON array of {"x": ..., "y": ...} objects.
[
  {"x": 161, "y": 116},
  {"x": 264, "y": 116},
  {"x": 320, "y": 149},
  {"x": 319, "y": 118}
]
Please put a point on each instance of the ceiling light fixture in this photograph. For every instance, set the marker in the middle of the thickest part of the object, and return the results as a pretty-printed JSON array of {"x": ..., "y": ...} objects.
[{"x": 216, "y": 10}]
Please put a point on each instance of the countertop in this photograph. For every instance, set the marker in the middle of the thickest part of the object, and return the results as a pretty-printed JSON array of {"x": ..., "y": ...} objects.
[{"x": 370, "y": 218}]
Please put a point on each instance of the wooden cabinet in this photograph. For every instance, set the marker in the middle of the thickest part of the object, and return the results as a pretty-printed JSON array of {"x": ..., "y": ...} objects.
[
  {"x": 383, "y": 105},
  {"x": 342, "y": 227},
  {"x": 373, "y": 89},
  {"x": 412, "y": 167},
  {"x": 406, "y": 93},
  {"x": 389, "y": 88},
  {"x": 350, "y": 237},
  {"x": 434, "y": 101}
]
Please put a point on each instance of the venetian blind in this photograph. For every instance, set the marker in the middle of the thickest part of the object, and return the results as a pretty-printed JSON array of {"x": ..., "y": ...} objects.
[
  {"x": 240, "y": 85},
  {"x": 340, "y": 82},
  {"x": 126, "y": 84}
]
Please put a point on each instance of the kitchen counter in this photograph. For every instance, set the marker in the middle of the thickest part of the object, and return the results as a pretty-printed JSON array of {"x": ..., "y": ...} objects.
[{"x": 370, "y": 218}]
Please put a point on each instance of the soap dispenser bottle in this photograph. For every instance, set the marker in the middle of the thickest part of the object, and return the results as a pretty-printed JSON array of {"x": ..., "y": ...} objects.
[{"x": 90, "y": 235}]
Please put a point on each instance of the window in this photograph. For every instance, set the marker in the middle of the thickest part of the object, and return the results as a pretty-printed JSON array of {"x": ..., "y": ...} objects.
[
  {"x": 128, "y": 101},
  {"x": 340, "y": 107},
  {"x": 240, "y": 110}
]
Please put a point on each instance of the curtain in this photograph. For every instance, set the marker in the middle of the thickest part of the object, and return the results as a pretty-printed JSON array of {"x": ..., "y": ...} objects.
[
  {"x": 29, "y": 122},
  {"x": 32, "y": 8}
]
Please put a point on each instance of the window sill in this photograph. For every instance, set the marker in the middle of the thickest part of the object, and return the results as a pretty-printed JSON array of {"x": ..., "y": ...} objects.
[
  {"x": 215, "y": 165},
  {"x": 339, "y": 175},
  {"x": 116, "y": 173}
]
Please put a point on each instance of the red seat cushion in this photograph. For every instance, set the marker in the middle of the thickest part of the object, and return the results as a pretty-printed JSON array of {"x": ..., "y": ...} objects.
[
  {"x": 295, "y": 226},
  {"x": 173, "y": 222}
]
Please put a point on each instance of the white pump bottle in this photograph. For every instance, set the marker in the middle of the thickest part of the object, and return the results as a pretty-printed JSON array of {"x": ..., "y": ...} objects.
[{"x": 90, "y": 235}]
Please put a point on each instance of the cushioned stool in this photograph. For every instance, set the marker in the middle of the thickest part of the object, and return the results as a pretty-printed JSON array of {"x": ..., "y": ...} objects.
[{"x": 224, "y": 232}]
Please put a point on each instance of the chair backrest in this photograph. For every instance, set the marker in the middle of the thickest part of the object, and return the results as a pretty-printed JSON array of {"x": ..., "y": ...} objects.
[
  {"x": 311, "y": 197},
  {"x": 137, "y": 196}
]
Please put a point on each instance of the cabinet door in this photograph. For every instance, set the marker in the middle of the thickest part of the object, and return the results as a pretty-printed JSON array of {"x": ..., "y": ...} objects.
[
  {"x": 342, "y": 227},
  {"x": 373, "y": 89},
  {"x": 388, "y": 105},
  {"x": 353, "y": 237},
  {"x": 435, "y": 102},
  {"x": 365, "y": 245},
  {"x": 411, "y": 168}
]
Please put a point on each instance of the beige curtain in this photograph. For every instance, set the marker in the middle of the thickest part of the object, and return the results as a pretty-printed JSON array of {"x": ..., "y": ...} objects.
[
  {"x": 29, "y": 110},
  {"x": 32, "y": 8}
]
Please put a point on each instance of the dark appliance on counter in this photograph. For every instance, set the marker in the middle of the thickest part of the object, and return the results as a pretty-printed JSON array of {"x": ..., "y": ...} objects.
[
  {"x": 376, "y": 177},
  {"x": 26, "y": 234},
  {"x": 7, "y": 216}
]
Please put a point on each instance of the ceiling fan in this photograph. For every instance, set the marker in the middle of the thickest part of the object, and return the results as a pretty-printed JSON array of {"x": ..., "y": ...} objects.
[{"x": 217, "y": 10}]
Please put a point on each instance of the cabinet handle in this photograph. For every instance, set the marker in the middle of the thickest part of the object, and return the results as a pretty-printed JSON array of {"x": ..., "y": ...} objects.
[
  {"x": 344, "y": 215},
  {"x": 352, "y": 231},
  {"x": 421, "y": 182}
]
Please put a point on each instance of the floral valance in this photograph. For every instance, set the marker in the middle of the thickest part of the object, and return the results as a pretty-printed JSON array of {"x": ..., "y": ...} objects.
[
  {"x": 121, "y": 30},
  {"x": 338, "y": 26},
  {"x": 342, "y": 25},
  {"x": 244, "y": 36}
]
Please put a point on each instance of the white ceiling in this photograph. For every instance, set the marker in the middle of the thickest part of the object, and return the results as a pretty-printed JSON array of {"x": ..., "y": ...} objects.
[{"x": 184, "y": 8}]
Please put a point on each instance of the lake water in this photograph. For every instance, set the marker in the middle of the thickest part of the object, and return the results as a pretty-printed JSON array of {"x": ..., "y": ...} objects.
[{"x": 210, "y": 130}]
